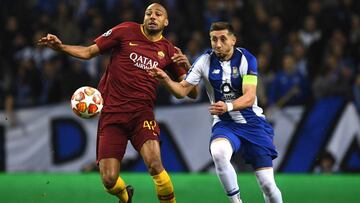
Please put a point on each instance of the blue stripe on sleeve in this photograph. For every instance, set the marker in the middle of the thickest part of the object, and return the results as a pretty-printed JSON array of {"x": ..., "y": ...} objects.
[{"x": 252, "y": 63}]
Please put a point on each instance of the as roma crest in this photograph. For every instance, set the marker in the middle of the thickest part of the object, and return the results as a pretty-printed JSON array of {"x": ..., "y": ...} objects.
[{"x": 161, "y": 54}]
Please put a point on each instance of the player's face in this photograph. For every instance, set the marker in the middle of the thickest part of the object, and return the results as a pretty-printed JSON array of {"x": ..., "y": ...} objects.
[
  {"x": 155, "y": 19},
  {"x": 222, "y": 43}
]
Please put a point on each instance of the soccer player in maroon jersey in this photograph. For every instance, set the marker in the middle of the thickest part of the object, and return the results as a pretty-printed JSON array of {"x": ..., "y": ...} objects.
[{"x": 129, "y": 95}]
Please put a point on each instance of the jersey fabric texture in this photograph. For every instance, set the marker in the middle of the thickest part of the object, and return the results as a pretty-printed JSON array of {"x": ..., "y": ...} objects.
[
  {"x": 246, "y": 129},
  {"x": 125, "y": 85}
]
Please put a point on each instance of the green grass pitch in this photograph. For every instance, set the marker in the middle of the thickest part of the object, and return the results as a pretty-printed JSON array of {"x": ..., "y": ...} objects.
[{"x": 189, "y": 188}]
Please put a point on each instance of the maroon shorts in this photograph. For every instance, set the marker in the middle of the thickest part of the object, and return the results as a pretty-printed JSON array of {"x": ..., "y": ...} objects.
[{"x": 115, "y": 129}]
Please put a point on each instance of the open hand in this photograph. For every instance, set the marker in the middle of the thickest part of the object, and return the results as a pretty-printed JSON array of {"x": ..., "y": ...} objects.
[
  {"x": 181, "y": 59},
  {"x": 158, "y": 74},
  {"x": 51, "y": 41}
]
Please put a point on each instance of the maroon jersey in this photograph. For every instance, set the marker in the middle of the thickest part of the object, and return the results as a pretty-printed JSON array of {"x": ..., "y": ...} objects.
[{"x": 125, "y": 85}]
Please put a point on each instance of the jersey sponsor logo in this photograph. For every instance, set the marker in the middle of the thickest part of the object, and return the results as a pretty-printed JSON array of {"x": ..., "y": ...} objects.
[
  {"x": 106, "y": 34},
  {"x": 161, "y": 54},
  {"x": 133, "y": 44},
  {"x": 229, "y": 93},
  {"x": 143, "y": 62},
  {"x": 215, "y": 71}
]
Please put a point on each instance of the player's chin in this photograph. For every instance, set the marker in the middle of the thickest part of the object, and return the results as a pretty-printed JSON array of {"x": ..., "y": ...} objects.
[
  {"x": 154, "y": 29},
  {"x": 219, "y": 55}
]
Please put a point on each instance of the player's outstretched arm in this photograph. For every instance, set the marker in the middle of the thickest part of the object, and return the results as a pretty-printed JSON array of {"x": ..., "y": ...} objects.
[
  {"x": 193, "y": 94},
  {"x": 178, "y": 89},
  {"x": 82, "y": 52},
  {"x": 182, "y": 60}
]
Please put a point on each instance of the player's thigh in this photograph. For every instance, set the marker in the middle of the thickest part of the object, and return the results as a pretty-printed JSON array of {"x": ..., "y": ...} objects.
[
  {"x": 145, "y": 128},
  {"x": 221, "y": 131},
  {"x": 112, "y": 141},
  {"x": 258, "y": 156}
]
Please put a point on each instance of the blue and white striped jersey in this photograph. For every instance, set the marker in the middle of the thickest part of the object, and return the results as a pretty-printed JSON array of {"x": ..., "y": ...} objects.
[{"x": 223, "y": 82}]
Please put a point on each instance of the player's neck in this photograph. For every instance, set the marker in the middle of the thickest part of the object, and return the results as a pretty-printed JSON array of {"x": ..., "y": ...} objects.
[
  {"x": 151, "y": 36},
  {"x": 229, "y": 55}
]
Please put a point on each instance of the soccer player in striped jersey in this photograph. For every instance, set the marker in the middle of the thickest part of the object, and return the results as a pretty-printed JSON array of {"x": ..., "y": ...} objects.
[{"x": 230, "y": 76}]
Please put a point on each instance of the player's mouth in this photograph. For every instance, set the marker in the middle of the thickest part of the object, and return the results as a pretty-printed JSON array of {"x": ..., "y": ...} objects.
[
  {"x": 218, "y": 52},
  {"x": 152, "y": 25}
]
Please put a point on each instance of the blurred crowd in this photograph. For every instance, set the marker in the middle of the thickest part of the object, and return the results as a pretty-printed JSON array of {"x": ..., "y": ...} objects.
[{"x": 306, "y": 50}]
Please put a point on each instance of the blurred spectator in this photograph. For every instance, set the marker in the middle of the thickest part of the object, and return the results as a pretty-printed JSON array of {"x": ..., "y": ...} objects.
[
  {"x": 276, "y": 38},
  {"x": 74, "y": 78},
  {"x": 266, "y": 76},
  {"x": 354, "y": 39},
  {"x": 68, "y": 31},
  {"x": 289, "y": 86},
  {"x": 314, "y": 32},
  {"x": 27, "y": 84},
  {"x": 333, "y": 81},
  {"x": 35, "y": 53},
  {"x": 356, "y": 92},
  {"x": 51, "y": 91},
  {"x": 212, "y": 12},
  {"x": 237, "y": 24},
  {"x": 299, "y": 53},
  {"x": 325, "y": 163},
  {"x": 309, "y": 32}
]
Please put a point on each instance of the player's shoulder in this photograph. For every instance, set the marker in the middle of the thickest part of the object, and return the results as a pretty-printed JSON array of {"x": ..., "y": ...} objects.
[
  {"x": 204, "y": 57},
  {"x": 207, "y": 54},
  {"x": 249, "y": 57},
  {"x": 245, "y": 52},
  {"x": 128, "y": 25},
  {"x": 168, "y": 44}
]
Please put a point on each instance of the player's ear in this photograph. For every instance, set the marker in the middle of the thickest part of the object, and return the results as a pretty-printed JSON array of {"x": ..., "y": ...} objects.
[
  {"x": 233, "y": 38},
  {"x": 166, "y": 22}
]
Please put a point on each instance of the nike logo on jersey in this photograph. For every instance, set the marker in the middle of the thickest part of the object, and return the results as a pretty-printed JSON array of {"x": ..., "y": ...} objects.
[
  {"x": 106, "y": 34},
  {"x": 133, "y": 44},
  {"x": 216, "y": 71}
]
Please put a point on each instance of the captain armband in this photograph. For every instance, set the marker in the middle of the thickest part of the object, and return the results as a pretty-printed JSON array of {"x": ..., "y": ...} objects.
[{"x": 250, "y": 80}]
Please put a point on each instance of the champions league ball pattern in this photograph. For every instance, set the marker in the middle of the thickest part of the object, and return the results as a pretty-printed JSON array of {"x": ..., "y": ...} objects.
[{"x": 86, "y": 102}]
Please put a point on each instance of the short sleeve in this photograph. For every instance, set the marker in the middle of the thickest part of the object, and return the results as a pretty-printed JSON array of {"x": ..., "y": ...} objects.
[
  {"x": 111, "y": 38},
  {"x": 195, "y": 73},
  {"x": 251, "y": 62}
]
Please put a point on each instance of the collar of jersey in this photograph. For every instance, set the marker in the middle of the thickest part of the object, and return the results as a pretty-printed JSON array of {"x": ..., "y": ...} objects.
[{"x": 143, "y": 32}]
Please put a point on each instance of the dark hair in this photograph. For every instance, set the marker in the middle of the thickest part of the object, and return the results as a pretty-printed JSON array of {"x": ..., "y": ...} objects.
[{"x": 222, "y": 26}]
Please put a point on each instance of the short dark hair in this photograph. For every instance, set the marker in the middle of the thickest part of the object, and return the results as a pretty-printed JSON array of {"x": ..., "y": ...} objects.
[{"x": 222, "y": 26}]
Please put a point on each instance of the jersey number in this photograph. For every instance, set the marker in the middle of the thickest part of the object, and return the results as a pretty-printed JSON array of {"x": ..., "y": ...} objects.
[{"x": 149, "y": 124}]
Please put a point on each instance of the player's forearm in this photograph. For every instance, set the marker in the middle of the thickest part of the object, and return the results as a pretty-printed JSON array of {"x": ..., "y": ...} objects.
[
  {"x": 193, "y": 94},
  {"x": 243, "y": 102},
  {"x": 175, "y": 88},
  {"x": 81, "y": 52}
]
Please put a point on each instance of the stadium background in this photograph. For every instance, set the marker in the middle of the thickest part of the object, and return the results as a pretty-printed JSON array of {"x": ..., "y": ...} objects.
[{"x": 308, "y": 55}]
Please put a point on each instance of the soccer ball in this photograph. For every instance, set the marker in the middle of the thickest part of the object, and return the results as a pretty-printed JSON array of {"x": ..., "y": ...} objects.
[{"x": 86, "y": 102}]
